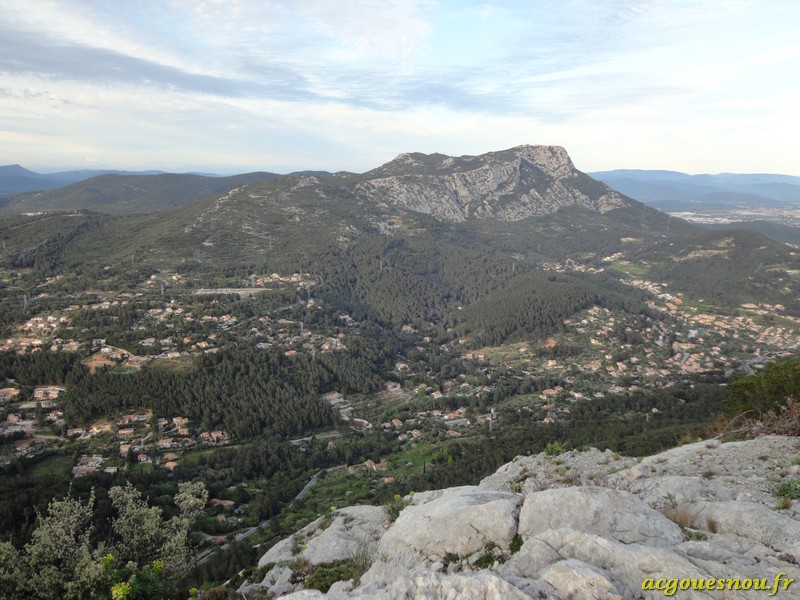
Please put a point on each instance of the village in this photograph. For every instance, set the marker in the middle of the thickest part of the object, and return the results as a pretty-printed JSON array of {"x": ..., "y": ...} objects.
[{"x": 616, "y": 356}]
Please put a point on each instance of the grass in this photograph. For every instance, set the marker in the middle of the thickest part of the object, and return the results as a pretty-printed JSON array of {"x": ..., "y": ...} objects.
[
  {"x": 681, "y": 515},
  {"x": 627, "y": 267},
  {"x": 58, "y": 465},
  {"x": 180, "y": 366},
  {"x": 194, "y": 456}
]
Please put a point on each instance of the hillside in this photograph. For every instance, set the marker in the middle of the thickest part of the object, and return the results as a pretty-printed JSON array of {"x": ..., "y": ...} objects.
[
  {"x": 582, "y": 524},
  {"x": 120, "y": 194},
  {"x": 411, "y": 242},
  {"x": 15, "y": 179}
]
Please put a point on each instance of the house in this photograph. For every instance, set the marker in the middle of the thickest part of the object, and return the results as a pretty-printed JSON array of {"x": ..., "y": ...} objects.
[
  {"x": 164, "y": 443},
  {"x": 127, "y": 432},
  {"x": 397, "y": 423},
  {"x": 224, "y": 504},
  {"x": 75, "y": 431},
  {"x": 124, "y": 448},
  {"x": 7, "y": 394},
  {"x": 47, "y": 392},
  {"x": 170, "y": 465}
]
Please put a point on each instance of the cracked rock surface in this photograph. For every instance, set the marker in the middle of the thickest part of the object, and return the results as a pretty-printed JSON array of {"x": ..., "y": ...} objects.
[{"x": 582, "y": 525}]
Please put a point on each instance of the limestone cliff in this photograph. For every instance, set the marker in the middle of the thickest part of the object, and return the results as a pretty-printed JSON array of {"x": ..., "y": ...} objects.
[
  {"x": 510, "y": 185},
  {"x": 577, "y": 526}
]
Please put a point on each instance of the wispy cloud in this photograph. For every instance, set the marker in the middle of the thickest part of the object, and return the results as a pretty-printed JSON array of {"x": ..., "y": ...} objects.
[{"x": 305, "y": 80}]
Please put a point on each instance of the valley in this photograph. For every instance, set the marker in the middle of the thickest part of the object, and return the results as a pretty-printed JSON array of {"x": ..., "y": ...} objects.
[{"x": 410, "y": 328}]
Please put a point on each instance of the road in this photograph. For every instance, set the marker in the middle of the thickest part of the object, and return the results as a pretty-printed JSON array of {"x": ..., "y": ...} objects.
[{"x": 205, "y": 556}]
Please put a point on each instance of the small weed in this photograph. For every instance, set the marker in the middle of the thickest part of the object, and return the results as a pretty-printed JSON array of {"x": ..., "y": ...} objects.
[
  {"x": 789, "y": 489},
  {"x": 695, "y": 536},
  {"x": 763, "y": 457},
  {"x": 784, "y": 503},
  {"x": 490, "y": 555},
  {"x": 450, "y": 558},
  {"x": 516, "y": 544},
  {"x": 709, "y": 474}
]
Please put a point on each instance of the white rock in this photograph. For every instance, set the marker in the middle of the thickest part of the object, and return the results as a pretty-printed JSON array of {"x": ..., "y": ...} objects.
[
  {"x": 461, "y": 522},
  {"x": 615, "y": 514}
]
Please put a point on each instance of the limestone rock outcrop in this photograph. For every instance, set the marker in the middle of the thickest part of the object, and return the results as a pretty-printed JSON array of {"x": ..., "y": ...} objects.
[
  {"x": 582, "y": 525},
  {"x": 508, "y": 186}
]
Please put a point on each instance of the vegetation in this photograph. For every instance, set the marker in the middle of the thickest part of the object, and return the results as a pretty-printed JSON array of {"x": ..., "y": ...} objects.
[{"x": 142, "y": 552}]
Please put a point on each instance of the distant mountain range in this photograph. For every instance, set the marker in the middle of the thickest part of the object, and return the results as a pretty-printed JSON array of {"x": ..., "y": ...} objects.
[
  {"x": 119, "y": 192},
  {"x": 673, "y": 191},
  {"x": 15, "y": 179}
]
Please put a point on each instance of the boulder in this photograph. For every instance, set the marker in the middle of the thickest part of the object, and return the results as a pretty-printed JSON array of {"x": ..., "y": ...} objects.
[
  {"x": 615, "y": 514},
  {"x": 460, "y": 522}
]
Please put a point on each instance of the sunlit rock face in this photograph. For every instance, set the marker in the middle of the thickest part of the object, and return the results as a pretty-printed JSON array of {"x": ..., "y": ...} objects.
[
  {"x": 581, "y": 525},
  {"x": 508, "y": 186}
]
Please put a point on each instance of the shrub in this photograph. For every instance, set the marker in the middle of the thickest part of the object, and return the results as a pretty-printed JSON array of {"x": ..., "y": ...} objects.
[
  {"x": 394, "y": 507},
  {"x": 324, "y": 576},
  {"x": 554, "y": 449}
]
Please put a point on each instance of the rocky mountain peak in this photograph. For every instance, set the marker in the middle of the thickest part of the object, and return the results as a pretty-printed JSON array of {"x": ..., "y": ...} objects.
[{"x": 508, "y": 185}]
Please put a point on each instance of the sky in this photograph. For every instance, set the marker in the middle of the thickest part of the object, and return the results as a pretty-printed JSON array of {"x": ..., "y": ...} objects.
[{"x": 229, "y": 86}]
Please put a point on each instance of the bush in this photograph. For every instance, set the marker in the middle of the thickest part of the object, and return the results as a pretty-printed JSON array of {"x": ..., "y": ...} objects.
[
  {"x": 324, "y": 576},
  {"x": 394, "y": 507},
  {"x": 554, "y": 449}
]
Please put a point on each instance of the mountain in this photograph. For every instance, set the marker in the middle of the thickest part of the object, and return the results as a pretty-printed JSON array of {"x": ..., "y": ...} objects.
[
  {"x": 115, "y": 193},
  {"x": 506, "y": 186},
  {"x": 674, "y": 191},
  {"x": 582, "y": 524},
  {"x": 496, "y": 246},
  {"x": 15, "y": 179}
]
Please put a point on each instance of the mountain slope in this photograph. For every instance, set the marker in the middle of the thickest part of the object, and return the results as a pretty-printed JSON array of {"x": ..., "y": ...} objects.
[
  {"x": 126, "y": 194},
  {"x": 415, "y": 239}
]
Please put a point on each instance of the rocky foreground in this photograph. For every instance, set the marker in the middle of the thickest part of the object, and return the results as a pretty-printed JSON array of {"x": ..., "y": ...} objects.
[{"x": 573, "y": 526}]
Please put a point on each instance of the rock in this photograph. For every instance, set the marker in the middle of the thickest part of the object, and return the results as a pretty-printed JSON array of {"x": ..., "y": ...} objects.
[
  {"x": 353, "y": 530},
  {"x": 580, "y": 539},
  {"x": 615, "y": 514},
  {"x": 424, "y": 583},
  {"x": 509, "y": 185},
  {"x": 460, "y": 522},
  {"x": 578, "y": 579},
  {"x": 752, "y": 521}
]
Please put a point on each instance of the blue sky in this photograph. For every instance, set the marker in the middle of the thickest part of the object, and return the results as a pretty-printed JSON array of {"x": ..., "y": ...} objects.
[{"x": 236, "y": 85}]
